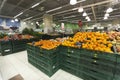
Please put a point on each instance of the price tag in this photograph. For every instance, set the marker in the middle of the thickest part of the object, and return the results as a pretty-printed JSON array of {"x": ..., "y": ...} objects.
[{"x": 7, "y": 50}]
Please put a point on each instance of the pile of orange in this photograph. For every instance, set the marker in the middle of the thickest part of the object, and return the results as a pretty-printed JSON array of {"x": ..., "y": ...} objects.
[
  {"x": 69, "y": 42},
  {"x": 47, "y": 44},
  {"x": 27, "y": 36},
  {"x": 90, "y": 40}
]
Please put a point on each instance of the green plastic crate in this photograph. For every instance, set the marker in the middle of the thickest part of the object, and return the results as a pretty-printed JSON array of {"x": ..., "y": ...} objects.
[
  {"x": 71, "y": 59},
  {"x": 5, "y": 47},
  {"x": 71, "y": 65},
  {"x": 98, "y": 60},
  {"x": 117, "y": 77},
  {"x": 6, "y": 51},
  {"x": 70, "y": 70},
  {"x": 118, "y": 58},
  {"x": 18, "y": 42},
  {"x": 97, "y": 75},
  {"x": 18, "y": 48},
  {"x": 48, "y": 61}
]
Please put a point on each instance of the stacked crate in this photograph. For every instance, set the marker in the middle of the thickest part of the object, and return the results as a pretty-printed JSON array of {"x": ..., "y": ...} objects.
[
  {"x": 5, "y": 47},
  {"x": 70, "y": 59},
  {"x": 93, "y": 64},
  {"x": 117, "y": 72},
  {"x": 86, "y": 64},
  {"x": 19, "y": 45},
  {"x": 45, "y": 60}
]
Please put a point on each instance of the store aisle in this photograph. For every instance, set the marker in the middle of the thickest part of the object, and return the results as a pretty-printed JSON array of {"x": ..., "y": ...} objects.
[{"x": 14, "y": 64}]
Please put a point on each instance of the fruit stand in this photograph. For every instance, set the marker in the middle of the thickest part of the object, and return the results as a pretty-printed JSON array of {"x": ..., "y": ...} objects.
[
  {"x": 78, "y": 56},
  {"x": 9, "y": 45},
  {"x": 45, "y": 60}
]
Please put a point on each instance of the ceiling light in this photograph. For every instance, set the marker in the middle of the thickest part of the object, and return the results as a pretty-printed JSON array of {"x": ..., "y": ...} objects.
[
  {"x": 73, "y": 2},
  {"x": 37, "y": 22},
  {"x": 87, "y": 17},
  {"x": 84, "y": 14},
  {"x": 18, "y": 14},
  {"x": 24, "y": 22},
  {"x": 35, "y": 5},
  {"x": 107, "y": 15},
  {"x": 105, "y": 18},
  {"x": 109, "y": 10},
  {"x": 16, "y": 20},
  {"x": 12, "y": 21},
  {"x": 31, "y": 23},
  {"x": 80, "y": 9}
]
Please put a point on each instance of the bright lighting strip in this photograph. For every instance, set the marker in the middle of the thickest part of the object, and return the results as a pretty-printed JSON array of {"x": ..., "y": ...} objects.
[
  {"x": 70, "y": 16},
  {"x": 18, "y": 14},
  {"x": 35, "y": 5},
  {"x": 53, "y": 9},
  {"x": 29, "y": 8},
  {"x": 28, "y": 18}
]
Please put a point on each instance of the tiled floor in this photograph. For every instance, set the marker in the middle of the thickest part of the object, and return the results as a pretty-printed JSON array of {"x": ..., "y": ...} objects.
[{"x": 17, "y": 63}]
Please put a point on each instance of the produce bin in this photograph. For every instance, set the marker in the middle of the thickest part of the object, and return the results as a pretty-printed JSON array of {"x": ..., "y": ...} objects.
[
  {"x": 45, "y": 60},
  {"x": 5, "y": 47},
  {"x": 18, "y": 48},
  {"x": 96, "y": 64}
]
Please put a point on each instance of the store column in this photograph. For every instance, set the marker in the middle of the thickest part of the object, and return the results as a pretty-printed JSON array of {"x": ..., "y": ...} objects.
[{"x": 48, "y": 21}]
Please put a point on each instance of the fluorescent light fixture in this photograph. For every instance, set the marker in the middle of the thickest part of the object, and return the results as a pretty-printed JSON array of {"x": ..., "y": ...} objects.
[
  {"x": 107, "y": 15},
  {"x": 28, "y": 18},
  {"x": 12, "y": 21},
  {"x": 84, "y": 14},
  {"x": 109, "y": 10},
  {"x": 35, "y": 5},
  {"x": 70, "y": 16},
  {"x": 87, "y": 17},
  {"x": 18, "y": 14},
  {"x": 53, "y": 9},
  {"x": 105, "y": 18},
  {"x": 80, "y": 9},
  {"x": 16, "y": 20},
  {"x": 73, "y": 2},
  {"x": 74, "y": 9}
]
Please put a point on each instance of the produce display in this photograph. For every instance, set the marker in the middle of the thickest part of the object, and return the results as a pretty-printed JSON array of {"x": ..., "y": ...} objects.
[
  {"x": 47, "y": 44},
  {"x": 16, "y": 37},
  {"x": 90, "y": 40},
  {"x": 92, "y": 62},
  {"x": 2, "y": 35},
  {"x": 115, "y": 38}
]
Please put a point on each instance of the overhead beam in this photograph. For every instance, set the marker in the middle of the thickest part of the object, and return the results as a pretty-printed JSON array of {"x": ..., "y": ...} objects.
[
  {"x": 32, "y": 5},
  {"x": 93, "y": 10},
  {"x": 60, "y": 8},
  {"x": 86, "y": 6},
  {"x": 1, "y": 6},
  {"x": 20, "y": 7},
  {"x": 5, "y": 16}
]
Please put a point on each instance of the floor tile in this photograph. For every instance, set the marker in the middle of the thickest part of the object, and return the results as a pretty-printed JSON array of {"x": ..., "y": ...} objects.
[{"x": 17, "y": 63}]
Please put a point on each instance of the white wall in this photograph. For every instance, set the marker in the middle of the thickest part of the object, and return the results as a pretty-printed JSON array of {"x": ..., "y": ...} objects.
[
  {"x": 22, "y": 25},
  {"x": 3, "y": 23},
  {"x": 27, "y": 25}
]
